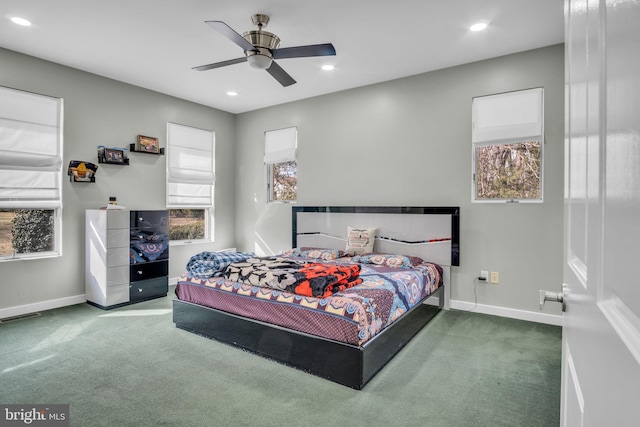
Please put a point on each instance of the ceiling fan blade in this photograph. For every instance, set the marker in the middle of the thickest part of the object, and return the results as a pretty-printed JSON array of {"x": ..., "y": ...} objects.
[
  {"x": 325, "y": 49},
  {"x": 220, "y": 64},
  {"x": 280, "y": 75},
  {"x": 231, "y": 34}
]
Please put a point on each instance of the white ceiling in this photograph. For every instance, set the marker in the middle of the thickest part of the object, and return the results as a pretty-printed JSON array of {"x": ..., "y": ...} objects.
[{"x": 155, "y": 43}]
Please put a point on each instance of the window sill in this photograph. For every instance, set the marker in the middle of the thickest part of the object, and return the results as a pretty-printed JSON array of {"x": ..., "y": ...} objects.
[
  {"x": 509, "y": 202},
  {"x": 189, "y": 242},
  {"x": 23, "y": 257}
]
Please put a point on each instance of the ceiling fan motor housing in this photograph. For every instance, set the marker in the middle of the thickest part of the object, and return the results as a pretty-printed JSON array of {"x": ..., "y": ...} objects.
[
  {"x": 263, "y": 39},
  {"x": 264, "y": 42}
]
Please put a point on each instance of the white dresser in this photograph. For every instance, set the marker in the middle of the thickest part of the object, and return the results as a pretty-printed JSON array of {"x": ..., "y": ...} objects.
[{"x": 113, "y": 256}]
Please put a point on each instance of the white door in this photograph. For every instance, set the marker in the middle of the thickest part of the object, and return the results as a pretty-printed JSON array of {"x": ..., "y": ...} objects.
[{"x": 601, "y": 334}]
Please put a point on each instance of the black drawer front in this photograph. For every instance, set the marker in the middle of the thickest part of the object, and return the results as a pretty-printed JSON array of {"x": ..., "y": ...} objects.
[
  {"x": 142, "y": 252},
  {"x": 158, "y": 220},
  {"x": 148, "y": 289},
  {"x": 150, "y": 270}
]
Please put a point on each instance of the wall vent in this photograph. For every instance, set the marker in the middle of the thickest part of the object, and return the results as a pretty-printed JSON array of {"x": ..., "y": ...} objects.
[{"x": 20, "y": 317}]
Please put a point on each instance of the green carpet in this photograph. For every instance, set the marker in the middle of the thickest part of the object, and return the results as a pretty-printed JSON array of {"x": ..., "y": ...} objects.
[{"x": 132, "y": 367}]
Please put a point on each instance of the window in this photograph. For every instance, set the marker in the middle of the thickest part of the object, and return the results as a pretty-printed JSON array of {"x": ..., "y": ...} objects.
[
  {"x": 507, "y": 139},
  {"x": 187, "y": 224},
  {"x": 280, "y": 158},
  {"x": 30, "y": 174},
  {"x": 190, "y": 180}
]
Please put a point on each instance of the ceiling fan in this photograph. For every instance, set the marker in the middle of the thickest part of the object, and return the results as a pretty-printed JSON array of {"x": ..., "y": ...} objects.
[{"x": 261, "y": 48}]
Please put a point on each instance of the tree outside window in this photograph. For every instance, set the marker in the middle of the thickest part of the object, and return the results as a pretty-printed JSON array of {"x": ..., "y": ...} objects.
[
  {"x": 26, "y": 231},
  {"x": 283, "y": 181},
  {"x": 509, "y": 171},
  {"x": 187, "y": 224}
]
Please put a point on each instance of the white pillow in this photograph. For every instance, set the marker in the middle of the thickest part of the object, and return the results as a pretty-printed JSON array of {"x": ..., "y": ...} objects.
[{"x": 360, "y": 240}]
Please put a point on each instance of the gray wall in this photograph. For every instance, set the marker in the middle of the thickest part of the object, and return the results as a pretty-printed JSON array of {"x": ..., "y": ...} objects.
[
  {"x": 407, "y": 142},
  {"x": 99, "y": 111}
]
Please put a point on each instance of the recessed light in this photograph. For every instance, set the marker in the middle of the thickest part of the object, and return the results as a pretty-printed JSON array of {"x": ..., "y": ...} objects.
[
  {"x": 478, "y": 26},
  {"x": 328, "y": 67},
  {"x": 232, "y": 93},
  {"x": 20, "y": 21}
]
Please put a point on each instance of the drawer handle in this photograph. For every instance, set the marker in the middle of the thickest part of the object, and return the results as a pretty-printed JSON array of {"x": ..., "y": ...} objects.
[
  {"x": 139, "y": 271},
  {"x": 139, "y": 289}
]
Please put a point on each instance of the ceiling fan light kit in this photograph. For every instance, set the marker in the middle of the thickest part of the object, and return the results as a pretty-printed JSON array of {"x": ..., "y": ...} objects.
[
  {"x": 262, "y": 47},
  {"x": 259, "y": 61}
]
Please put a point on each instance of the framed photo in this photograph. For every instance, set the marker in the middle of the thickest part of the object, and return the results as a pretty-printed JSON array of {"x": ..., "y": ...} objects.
[
  {"x": 112, "y": 155},
  {"x": 148, "y": 144}
]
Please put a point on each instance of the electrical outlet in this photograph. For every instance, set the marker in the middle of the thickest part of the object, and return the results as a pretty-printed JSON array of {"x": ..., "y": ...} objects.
[
  {"x": 484, "y": 275},
  {"x": 494, "y": 277}
]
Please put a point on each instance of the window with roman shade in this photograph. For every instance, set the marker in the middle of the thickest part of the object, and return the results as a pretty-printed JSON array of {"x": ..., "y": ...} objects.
[
  {"x": 190, "y": 173},
  {"x": 507, "y": 139},
  {"x": 30, "y": 171},
  {"x": 190, "y": 181},
  {"x": 280, "y": 157}
]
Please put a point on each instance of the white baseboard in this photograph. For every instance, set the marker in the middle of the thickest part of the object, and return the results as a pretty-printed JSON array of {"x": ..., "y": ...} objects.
[
  {"x": 41, "y": 306},
  {"x": 531, "y": 316},
  {"x": 549, "y": 319}
]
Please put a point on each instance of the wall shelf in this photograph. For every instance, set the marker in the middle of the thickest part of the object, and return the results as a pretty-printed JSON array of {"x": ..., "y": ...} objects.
[
  {"x": 125, "y": 162},
  {"x": 132, "y": 149},
  {"x": 112, "y": 156},
  {"x": 91, "y": 179}
]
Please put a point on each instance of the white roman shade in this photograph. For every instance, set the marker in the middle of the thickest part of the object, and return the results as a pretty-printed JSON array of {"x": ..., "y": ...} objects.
[
  {"x": 508, "y": 117},
  {"x": 190, "y": 167},
  {"x": 30, "y": 150},
  {"x": 280, "y": 145}
]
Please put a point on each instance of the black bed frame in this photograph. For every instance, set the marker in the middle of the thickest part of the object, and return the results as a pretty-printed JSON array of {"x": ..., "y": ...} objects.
[{"x": 349, "y": 365}]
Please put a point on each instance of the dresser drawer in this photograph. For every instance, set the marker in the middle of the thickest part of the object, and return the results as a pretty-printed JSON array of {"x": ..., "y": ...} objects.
[
  {"x": 150, "y": 219},
  {"x": 150, "y": 270},
  {"x": 117, "y": 219},
  {"x": 118, "y": 238},
  {"x": 148, "y": 289},
  {"x": 144, "y": 252}
]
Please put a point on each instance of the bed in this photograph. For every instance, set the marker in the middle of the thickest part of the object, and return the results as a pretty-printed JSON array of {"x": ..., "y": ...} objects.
[{"x": 349, "y": 335}]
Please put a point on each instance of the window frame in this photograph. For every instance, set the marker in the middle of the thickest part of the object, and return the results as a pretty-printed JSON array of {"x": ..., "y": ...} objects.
[
  {"x": 28, "y": 105},
  {"x": 508, "y": 134},
  {"x": 280, "y": 147},
  {"x": 209, "y": 219},
  {"x": 270, "y": 186}
]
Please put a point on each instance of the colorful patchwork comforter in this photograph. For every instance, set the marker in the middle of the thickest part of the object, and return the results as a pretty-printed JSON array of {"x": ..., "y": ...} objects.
[
  {"x": 352, "y": 316},
  {"x": 295, "y": 276}
]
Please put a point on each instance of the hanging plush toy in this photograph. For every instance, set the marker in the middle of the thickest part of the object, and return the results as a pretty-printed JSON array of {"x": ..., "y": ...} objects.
[{"x": 80, "y": 171}]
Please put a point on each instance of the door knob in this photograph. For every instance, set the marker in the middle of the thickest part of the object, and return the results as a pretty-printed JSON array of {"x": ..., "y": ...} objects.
[{"x": 553, "y": 296}]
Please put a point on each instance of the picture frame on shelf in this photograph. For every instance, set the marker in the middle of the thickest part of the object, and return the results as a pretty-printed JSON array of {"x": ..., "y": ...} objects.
[
  {"x": 148, "y": 144},
  {"x": 112, "y": 155}
]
